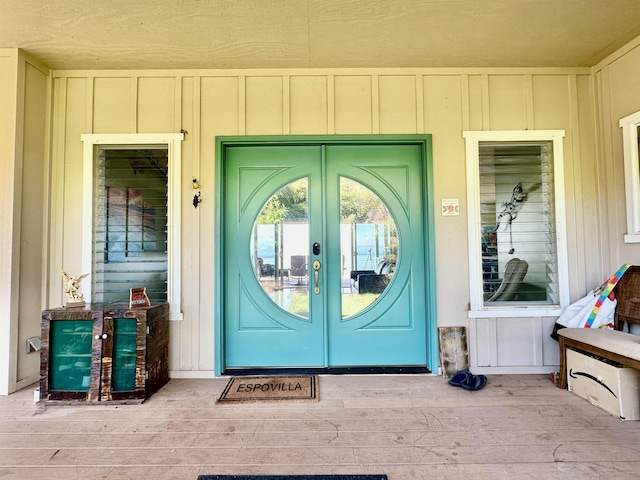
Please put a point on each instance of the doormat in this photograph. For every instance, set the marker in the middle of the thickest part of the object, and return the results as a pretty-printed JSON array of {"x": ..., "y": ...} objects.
[
  {"x": 292, "y": 477},
  {"x": 293, "y": 388}
]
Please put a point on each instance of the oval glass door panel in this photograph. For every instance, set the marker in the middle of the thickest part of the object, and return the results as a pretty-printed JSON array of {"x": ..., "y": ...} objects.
[
  {"x": 278, "y": 248},
  {"x": 368, "y": 245}
]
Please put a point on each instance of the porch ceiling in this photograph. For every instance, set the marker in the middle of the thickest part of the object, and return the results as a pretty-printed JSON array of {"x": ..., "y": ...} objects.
[{"x": 236, "y": 34}]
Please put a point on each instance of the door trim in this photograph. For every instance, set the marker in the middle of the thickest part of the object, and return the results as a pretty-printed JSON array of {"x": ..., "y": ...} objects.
[{"x": 424, "y": 141}]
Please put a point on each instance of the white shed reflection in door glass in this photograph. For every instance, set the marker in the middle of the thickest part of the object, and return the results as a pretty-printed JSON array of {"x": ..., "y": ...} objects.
[{"x": 278, "y": 248}]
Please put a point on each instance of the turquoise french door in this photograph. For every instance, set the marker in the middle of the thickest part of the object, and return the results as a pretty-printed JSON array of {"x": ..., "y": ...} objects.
[{"x": 324, "y": 255}]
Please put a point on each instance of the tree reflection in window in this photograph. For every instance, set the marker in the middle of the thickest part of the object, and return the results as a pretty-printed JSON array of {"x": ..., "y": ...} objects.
[
  {"x": 369, "y": 246},
  {"x": 278, "y": 247}
]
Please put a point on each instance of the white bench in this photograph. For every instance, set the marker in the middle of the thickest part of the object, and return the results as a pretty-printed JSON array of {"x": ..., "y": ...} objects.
[{"x": 615, "y": 345}]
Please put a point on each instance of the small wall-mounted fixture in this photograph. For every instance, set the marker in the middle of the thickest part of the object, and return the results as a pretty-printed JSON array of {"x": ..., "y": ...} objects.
[
  {"x": 34, "y": 344},
  {"x": 197, "y": 200}
]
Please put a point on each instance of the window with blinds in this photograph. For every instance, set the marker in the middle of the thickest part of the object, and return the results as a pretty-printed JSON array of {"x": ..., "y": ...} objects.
[
  {"x": 129, "y": 247},
  {"x": 518, "y": 234},
  {"x": 517, "y": 228}
]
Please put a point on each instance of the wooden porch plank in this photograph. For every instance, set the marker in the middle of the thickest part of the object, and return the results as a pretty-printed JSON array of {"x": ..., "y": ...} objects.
[
  {"x": 351, "y": 456},
  {"x": 584, "y": 436},
  {"x": 532, "y": 409},
  {"x": 291, "y": 426}
]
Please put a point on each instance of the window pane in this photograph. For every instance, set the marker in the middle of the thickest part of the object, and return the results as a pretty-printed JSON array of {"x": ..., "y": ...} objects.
[
  {"x": 519, "y": 249},
  {"x": 130, "y": 222},
  {"x": 70, "y": 356},
  {"x": 368, "y": 244},
  {"x": 124, "y": 354},
  {"x": 278, "y": 248}
]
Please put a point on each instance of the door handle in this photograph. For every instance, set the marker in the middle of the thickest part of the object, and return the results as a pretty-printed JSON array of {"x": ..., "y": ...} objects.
[{"x": 316, "y": 269}]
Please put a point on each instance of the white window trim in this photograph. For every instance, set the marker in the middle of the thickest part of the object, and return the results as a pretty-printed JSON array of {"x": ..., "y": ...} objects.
[
  {"x": 173, "y": 143},
  {"x": 629, "y": 127},
  {"x": 473, "y": 139}
]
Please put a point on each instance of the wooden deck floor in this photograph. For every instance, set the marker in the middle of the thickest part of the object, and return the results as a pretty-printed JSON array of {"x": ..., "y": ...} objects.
[{"x": 405, "y": 426}]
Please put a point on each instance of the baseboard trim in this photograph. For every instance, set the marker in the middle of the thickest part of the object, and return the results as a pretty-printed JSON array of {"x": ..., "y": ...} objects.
[
  {"x": 192, "y": 374},
  {"x": 30, "y": 380},
  {"x": 514, "y": 370}
]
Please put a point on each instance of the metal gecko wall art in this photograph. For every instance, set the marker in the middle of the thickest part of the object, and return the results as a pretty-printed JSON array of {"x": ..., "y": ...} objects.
[{"x": 511, "y": 209}]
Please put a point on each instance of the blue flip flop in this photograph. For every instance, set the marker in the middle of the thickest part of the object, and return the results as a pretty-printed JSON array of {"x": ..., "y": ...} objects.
[
  {"x": 459, "y": 378},
  {"x": 474, "y": 382}
]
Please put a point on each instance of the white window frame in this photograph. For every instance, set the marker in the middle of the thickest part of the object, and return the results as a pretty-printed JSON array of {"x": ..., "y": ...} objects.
[
  {"x": 173, "y": 143},
  {"x": 629, "y": 125},
  {"x": 478, "y": 307}
]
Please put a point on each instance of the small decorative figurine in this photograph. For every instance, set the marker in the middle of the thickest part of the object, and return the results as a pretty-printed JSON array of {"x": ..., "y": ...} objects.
[{"x": 72, "y": 289}]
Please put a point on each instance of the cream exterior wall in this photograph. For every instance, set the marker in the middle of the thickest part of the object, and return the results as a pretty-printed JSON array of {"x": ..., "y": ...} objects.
[
  {"x": 442, "y": 102},
  {"x": 586, "y": 103},
  {"x": 617, "y": 81},
  {"x": 23, "y": 196}
]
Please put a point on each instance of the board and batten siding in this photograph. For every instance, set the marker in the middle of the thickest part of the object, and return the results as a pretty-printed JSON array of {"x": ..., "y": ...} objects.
[
  {"x": 441, "y": 102},
  {"x": 617, "y": 81},
  {"x": 24, "y": 94}
]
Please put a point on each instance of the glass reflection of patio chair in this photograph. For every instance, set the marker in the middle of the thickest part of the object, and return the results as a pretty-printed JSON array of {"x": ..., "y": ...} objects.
[
  {"x": 264, "y": 269},
  {"x": 514, "y": 273},
  {"x": 298, "y": 267},
  {"x": 372, "y": 281}
]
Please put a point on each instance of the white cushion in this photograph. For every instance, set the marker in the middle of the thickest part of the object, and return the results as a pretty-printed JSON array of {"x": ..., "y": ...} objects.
[{"x": 622, "y": 343}]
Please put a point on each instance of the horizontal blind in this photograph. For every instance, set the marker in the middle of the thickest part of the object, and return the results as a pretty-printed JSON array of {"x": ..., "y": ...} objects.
[
  {"x": 518, "y": 219},
  {"x": 130, "y": 222}
]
